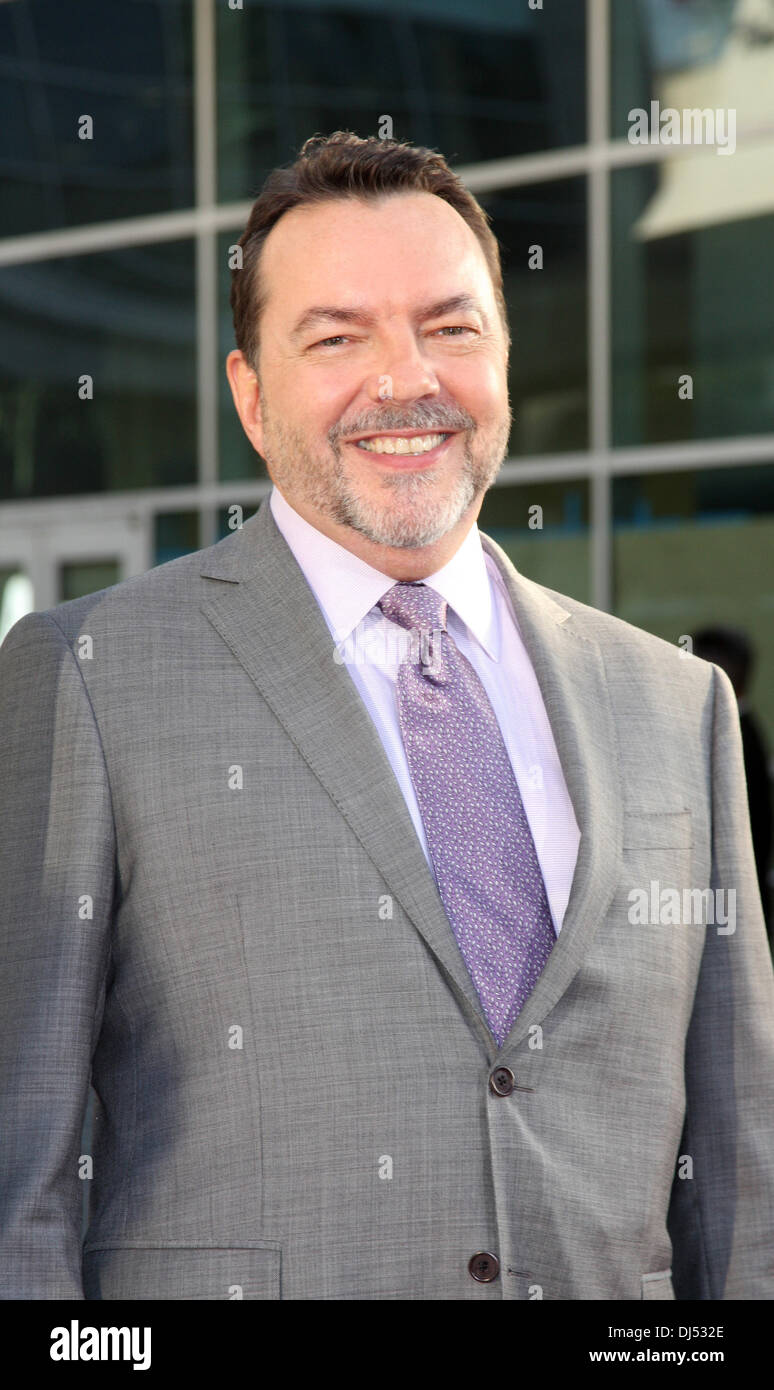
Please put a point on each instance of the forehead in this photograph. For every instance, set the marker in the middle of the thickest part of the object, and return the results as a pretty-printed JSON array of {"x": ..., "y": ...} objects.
[{"x": 390, "y": 251}]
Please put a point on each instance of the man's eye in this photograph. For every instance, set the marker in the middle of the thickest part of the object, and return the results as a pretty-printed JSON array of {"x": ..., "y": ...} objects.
[{"x": 452, "y": 328}]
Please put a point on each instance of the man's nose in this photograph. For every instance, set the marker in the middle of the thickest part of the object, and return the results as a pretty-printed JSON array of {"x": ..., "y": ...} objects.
[{"x": 403, "y": 372}]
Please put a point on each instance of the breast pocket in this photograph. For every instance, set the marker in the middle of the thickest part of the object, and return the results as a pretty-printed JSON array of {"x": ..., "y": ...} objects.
[
  {"x": 657, "y": 830},
  {"x": 658, "y": 1285},
  {"x": 183, "y": 1272},
  {"x": 656, "y": 856},
  {"x": 652, "y": 944}
]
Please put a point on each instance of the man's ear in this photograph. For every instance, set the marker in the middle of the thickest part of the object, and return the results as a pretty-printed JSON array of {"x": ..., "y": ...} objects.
[{"x": 246, "y": 393}]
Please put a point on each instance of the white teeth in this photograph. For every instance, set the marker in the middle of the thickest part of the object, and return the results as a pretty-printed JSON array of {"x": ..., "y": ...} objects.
[{"x": 420, "y": 444}]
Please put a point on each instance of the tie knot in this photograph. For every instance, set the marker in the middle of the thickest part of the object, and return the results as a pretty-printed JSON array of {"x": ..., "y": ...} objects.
[{"x": 415, "y": 606}]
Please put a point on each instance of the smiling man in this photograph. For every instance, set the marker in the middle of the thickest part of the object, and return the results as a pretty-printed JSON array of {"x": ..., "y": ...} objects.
[
  {"x": 382, "y": 412},
  {"x": 347, "y": 947}
]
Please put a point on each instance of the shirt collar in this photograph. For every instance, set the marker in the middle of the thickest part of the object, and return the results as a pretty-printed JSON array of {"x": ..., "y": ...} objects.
[{"x": 347, "y": 588}]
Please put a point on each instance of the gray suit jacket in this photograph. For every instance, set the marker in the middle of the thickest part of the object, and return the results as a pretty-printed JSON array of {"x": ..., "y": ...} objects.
[{"x": 215, "y": 907}]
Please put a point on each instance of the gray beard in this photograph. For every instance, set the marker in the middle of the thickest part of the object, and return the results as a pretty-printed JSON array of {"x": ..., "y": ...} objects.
[{"x": 409, "y": 517}]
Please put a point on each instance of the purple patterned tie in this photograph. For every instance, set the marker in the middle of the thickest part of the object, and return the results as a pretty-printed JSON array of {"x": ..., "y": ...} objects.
[{"x": 480, "y": 843}]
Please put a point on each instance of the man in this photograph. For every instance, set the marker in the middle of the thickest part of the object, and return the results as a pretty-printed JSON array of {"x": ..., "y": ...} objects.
[{"x": 370, "y": 951}]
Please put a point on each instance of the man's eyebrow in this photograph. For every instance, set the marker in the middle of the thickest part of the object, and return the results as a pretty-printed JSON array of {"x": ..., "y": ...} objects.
[{"x": 324, "y": 313}]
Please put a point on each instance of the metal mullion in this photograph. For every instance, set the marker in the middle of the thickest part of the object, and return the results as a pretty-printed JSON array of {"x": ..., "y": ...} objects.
[
  {"x": 598, "y": 266},
  {"x": 489, "y": 176},
  {"x": 206, "y": 263}
]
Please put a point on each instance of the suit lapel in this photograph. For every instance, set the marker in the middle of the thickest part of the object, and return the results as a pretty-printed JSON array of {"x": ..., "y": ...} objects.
[
  {"x": 269, "y": 618},
  {"x": 571, "y": 675}
]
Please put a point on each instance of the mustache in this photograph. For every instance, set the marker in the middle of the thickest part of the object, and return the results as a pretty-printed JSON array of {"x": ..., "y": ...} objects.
[{"x": 433, "y": 419}]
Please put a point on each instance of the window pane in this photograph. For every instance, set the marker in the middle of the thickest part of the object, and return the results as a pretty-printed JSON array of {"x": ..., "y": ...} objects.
[
  {"x": 477, "y": 79},
  {"x": 687, "y": 52},
  {"x": 125, "y": 319},
  {"x": 238, "y": 458},
  {"x": 175, "y": 534},
  {"x": 226, "y": 517},
  {"x": 692, "y": 290},
  {"x": 77, "y": 579},
  {"x": 548, "y": 367},
  {"x": 692, "y": 322},
  {"x": 544, "y": 530},
  {"x": 696, "y": 549},
  {"x": 127, "y": 66}
]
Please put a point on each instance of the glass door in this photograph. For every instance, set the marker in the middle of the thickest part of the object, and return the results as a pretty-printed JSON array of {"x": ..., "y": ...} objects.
[{"x": 47, "y": 558}]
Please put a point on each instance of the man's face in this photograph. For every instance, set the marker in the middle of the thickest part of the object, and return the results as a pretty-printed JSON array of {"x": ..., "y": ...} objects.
[{"x": 386, "y": 359}]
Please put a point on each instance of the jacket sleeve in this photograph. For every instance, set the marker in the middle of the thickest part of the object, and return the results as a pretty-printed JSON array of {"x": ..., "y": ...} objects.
[
  {"x": 721, "y": 1215},
  {"x": 57, "y": 876}
]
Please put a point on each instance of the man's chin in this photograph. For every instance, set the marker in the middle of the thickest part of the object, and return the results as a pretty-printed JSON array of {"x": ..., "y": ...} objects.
[
  {"x": 402, "y": 542},
  {"x": 408, "y": 536},
  {"x": 412, "y": 518}
]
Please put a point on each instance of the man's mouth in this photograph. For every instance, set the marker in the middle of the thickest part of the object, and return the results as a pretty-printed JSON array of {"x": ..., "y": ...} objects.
[{"x": 405, "y": 445}]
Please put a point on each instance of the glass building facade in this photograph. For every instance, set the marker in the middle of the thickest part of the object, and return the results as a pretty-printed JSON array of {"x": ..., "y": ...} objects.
[{"x": 134, "y": 138}]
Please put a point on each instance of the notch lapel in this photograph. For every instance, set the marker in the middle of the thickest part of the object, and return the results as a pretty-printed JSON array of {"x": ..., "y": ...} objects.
[
  {"x": 268, "y": 616},
  {"x": 571, "y": 674}
]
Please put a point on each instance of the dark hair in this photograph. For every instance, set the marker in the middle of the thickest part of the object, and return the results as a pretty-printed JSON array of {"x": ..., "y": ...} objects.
[{"x": 344, "y": 165}]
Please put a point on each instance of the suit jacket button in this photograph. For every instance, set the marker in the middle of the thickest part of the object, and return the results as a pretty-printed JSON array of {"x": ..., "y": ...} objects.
[
  {"x": 484, "y": 1267},
  {"x": 502, "y": 1081}
]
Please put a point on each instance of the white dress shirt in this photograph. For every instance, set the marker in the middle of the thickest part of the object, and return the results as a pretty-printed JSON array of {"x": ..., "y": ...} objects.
[{"x": 481, "y": 620}]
